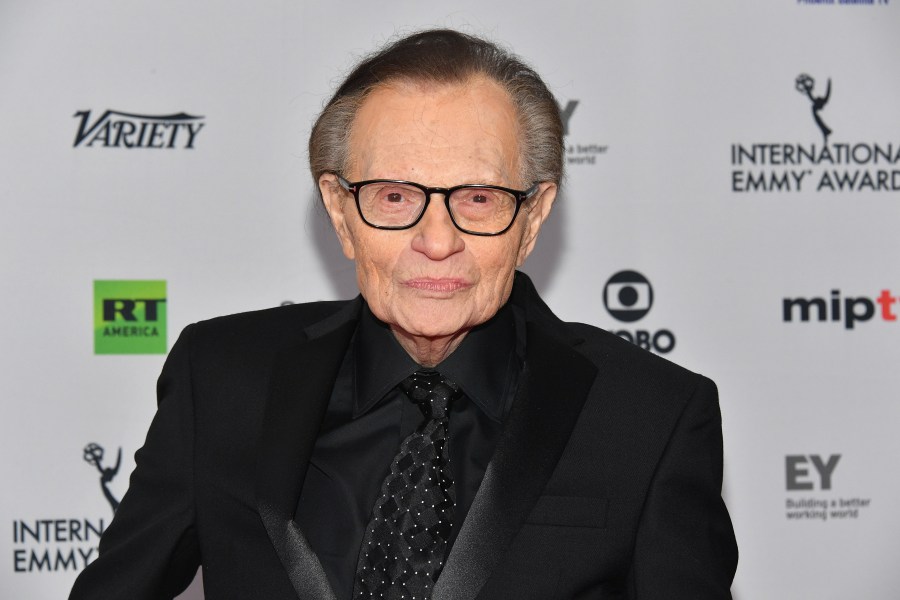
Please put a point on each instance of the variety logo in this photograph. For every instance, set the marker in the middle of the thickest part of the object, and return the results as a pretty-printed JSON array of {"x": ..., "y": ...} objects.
[
  {"x": 578, "y": 153},
  {"x": 815, "y": 473},
  {"x": 628, "y": 297},
  {"x": 843, "y": 166},
  {"x": 130, "y": 317},
  {"x": 848, "y": 310},
  {"x": 114, "y": 129}
]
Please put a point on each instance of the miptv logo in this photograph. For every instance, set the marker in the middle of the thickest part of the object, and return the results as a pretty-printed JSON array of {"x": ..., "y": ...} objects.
[{"x": 848, "y": 310}]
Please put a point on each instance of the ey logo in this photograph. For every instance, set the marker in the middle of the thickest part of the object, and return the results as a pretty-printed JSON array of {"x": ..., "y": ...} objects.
[
  {"x": 799, "y": 476},
  {"x": 129, "y": 317}
]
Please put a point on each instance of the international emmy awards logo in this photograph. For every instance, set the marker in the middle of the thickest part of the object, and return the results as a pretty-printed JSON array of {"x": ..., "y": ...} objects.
[
  {"x": 93, "y": 454},
  {"x": 805, "y": 85}
]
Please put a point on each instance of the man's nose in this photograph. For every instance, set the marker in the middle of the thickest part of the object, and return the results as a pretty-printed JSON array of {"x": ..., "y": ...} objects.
[{"x": 436, "y": 235}]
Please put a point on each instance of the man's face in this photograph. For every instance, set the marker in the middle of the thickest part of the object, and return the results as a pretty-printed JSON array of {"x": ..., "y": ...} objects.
[{"x": 432, "y": 280}]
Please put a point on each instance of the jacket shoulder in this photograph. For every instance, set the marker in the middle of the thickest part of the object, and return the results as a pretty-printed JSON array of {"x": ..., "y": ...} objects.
[
  {"x": 617, "y": 356},
  {"x": 270, "y": 328}
]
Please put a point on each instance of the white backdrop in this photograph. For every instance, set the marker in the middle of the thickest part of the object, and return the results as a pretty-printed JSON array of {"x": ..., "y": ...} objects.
[{"x": 660, "y": 97}]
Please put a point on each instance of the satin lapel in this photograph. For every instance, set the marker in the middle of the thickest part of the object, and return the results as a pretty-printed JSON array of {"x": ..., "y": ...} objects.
[
  {"x": 555, "y": 383},
  {"x": 302, "y": 380}
]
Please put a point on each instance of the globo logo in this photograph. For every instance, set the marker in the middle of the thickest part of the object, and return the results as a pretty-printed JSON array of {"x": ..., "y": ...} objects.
[{"x": 628, "y": 297}]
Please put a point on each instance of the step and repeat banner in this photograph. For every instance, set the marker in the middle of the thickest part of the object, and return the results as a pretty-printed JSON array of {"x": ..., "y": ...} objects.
[{"x": 732, "y": 203}]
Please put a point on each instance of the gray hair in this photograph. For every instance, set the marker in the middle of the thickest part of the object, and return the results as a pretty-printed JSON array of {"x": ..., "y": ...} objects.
[{"x": 444, "y": 56}]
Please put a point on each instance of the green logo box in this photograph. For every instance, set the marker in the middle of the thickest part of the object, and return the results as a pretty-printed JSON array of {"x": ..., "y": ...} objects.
[{"x": 129, "y": 317}]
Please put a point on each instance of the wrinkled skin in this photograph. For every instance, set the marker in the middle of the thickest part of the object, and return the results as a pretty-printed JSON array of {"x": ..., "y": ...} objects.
[{"x": 433, "y": 283}]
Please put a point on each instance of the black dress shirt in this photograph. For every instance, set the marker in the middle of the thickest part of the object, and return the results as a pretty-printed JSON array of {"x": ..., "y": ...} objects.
[{"x": 368, "y": 417}]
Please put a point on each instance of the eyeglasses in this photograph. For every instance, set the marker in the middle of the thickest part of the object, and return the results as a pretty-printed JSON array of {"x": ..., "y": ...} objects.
[{"x": 475, "y": 209}]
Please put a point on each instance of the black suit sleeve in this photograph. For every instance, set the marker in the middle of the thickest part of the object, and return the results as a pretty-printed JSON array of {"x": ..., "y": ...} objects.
[
  {"x": 150, "y": 550},
  {"x": 685, "y": 546}
]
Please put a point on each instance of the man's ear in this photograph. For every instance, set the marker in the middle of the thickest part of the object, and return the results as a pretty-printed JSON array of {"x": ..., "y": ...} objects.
[
  {"x": 335, "y": 197},
  {"x": 537, "y": 209}
]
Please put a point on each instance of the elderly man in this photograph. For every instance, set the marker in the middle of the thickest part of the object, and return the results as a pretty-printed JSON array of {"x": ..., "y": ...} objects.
[{"x": 443, "y": 435}]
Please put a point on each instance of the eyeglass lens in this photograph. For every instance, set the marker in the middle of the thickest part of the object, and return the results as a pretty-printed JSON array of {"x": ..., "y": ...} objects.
[{"x": 484, "y": 210}]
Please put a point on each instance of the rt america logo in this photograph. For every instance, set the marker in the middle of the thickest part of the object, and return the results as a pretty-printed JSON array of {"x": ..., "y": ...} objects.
[
  {"x": 129, "y": 317},
  {"x": 114, "y": 129},
  {"x": 628, "y": 297}
]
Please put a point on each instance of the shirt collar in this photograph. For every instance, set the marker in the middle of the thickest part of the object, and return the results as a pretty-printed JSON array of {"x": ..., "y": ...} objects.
[{"x": 485, "y": 365}]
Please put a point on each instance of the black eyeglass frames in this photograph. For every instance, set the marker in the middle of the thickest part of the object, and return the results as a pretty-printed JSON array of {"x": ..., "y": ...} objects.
[{"x": 475, "y": 209}]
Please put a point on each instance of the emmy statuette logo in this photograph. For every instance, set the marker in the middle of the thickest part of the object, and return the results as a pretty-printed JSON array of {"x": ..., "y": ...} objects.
[
  {"x": 93, "y": 454},
  {"x": 805, "y": 85}
]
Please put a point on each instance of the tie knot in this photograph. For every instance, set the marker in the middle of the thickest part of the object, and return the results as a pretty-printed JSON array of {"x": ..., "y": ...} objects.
[{"x": 431, "y": 391}]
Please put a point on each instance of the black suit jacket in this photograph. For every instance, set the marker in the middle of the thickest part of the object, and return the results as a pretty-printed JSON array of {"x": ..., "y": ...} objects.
[{"x": 605, "y": 482}]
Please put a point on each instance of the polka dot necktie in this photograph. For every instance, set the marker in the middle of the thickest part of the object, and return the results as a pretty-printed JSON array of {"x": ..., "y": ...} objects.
[{"x": 405, "y": 543}]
